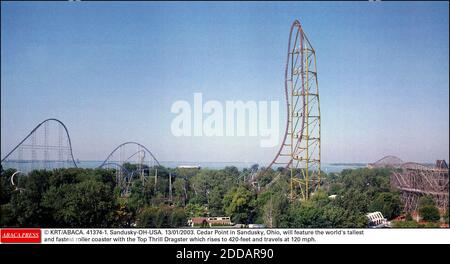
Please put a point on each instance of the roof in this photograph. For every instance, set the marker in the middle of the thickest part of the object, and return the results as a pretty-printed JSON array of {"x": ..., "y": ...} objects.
[
  {"x": 189, "y": 167},
  {"x": 199, "y": 220}
]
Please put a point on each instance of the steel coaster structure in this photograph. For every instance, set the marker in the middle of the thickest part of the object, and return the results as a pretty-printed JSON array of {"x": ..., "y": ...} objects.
[
  {"x": 139, "y": 154},
  {"x": 47, "y": 146},
  {"x": 300, "y": 148},
  {"x": 135, "y": 154}
]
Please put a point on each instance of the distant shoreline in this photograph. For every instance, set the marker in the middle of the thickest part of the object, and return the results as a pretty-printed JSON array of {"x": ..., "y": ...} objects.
[{"x": 91, "y": 164}]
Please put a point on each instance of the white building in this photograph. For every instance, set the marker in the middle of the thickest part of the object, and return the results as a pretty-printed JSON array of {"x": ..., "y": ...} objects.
[{"x": 377, "y": 220}]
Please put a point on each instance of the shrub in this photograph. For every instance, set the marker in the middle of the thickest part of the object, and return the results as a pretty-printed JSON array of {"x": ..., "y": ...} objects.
[
  {"x": 161, "y": 217},
  {"x": 429, "y": 213},
  {"x": 387, "y": 203},
  {"x": 409, "y": 217},
  {"x": 407, "y": 224}
]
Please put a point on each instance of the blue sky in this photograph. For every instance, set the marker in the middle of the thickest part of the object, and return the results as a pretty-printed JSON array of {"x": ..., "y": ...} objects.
[{"x": 111, "y": 71}]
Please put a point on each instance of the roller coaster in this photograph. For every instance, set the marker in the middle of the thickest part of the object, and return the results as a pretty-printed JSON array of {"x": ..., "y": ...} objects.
[
  {"x": 130, "y": 153},
  {"x": 299, "y": 152},
  {"x": 414, "y": 180},
  {"x": 39, "y": 149}
]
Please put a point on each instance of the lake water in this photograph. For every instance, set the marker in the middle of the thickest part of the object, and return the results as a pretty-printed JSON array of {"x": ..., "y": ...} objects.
[{"x": 27, "y": 166}]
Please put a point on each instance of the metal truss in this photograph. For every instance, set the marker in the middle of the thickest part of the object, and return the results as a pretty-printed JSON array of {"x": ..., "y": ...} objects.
[
  {"x": 132, "y": 153},
  {"x": 49, "y": 142},
  {"x": 48, "y": 146},
  {"x": 300, "y": 149}
]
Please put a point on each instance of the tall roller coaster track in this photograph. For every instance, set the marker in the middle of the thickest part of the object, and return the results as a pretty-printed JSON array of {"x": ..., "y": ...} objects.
[
  {"x": 41, "y": 150},
  {"x": 299, "y": 151}
]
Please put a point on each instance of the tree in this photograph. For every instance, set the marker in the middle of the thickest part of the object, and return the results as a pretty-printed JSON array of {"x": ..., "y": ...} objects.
[
  {"x": 196, "y": 210},
  {"x": 426, "y": 201},
  {"x": 6, "y": 192},
  {"x": 85, "y": 204},
  {"x": 428, "y": 209},
  {"x": 387, "y": 203},
  {"x": 201, "y": 185},
  {"x": 26, "y": 205},
  {"x": 78, "y": 197},
  {"x": 141, "y": 195},
  {"x": 274, "y": 210},
  {"x": 238, "y": 204},
  {"x": 335, "y": 188},
  {"x": 232, "y": 171},
  {"x": 161, "y": 216},
  {"x": 7, "y": 218},
  {"x": 371, "y": 181},
  {"x": 6, "y": 188},
  {"x": 266, "y": 178},
  {"x": 306, "y": 215},
  {"x": 59, "y": 177},
  {"x": 147, "y": 217},
  {"x": 429, "y": 213},
  {"x": 353, "y": 200},
  {"x": 215, "y": 205},
  {"x": 409, "y": 217},
  {"x": 123, "y": 216},
  {"x": 414, "y": 224},
  {"x": 178, "y": 217},
  {"x": 179, "y": 191},
  {"x": 408, "y": 224}
]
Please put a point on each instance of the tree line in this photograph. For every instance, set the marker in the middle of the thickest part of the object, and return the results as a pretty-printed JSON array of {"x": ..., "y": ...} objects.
[{"x": 76, "y": 197}]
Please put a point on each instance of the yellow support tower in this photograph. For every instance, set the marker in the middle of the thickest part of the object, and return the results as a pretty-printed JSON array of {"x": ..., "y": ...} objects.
[
  {"x": 300, "y": 148},
  {"x": 304, "y": 115}
]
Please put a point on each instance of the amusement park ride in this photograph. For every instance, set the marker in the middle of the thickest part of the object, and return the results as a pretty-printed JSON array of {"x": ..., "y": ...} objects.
[
  {"x": 49, "y": 146},
  {"x": 300, "y": 148},
  {"x": 299, "y": 152},
  {"x": 41, "y": 149}
]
